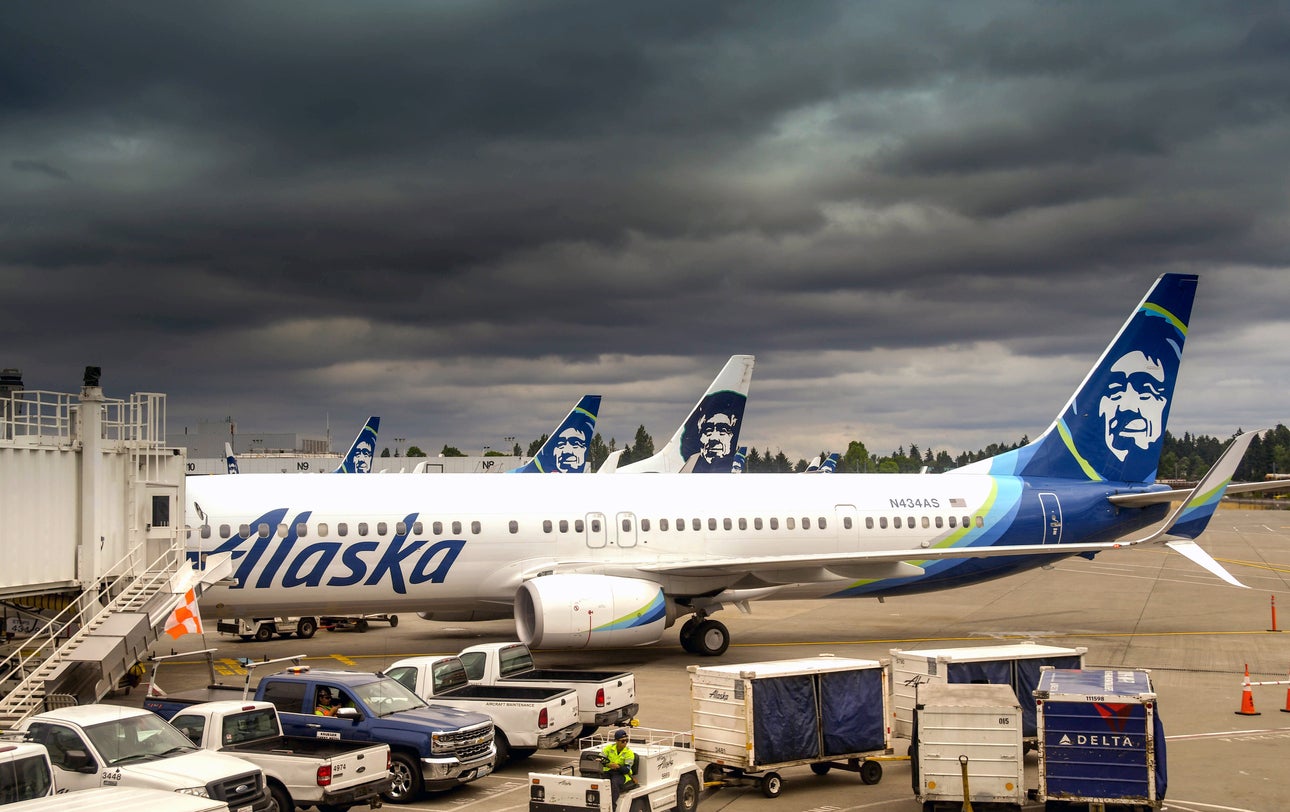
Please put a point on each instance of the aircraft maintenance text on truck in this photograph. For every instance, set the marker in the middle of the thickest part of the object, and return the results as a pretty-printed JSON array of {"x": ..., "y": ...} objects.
[
  {"x": 112, "y": 745},
  {"x": 525, "y": 718},
  {"x": 604, "y": 697},
  {"x": 299, "y": 770},
  {"x": 432, "y": 747}
]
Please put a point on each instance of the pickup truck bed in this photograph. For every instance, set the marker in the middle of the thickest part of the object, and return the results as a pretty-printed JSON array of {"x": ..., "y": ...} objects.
[
  {"x": 563, "y": 675},
  {"x": 517, "y": 693}
]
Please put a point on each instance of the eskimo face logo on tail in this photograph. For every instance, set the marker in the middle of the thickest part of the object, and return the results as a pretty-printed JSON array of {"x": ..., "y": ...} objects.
[
  {"x": 291, "y": 563},
  {"x": 712, "y": 433}
]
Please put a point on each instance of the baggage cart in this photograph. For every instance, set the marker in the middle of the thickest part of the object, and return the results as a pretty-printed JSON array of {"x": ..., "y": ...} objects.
[
  {"x": 666, "y": 777},
  {"x": 752, "y": 720},
  {"x": 1015, "y": 664},
  {"x": 1101, "y": 742},
  {"x": 968, "y": 747}
]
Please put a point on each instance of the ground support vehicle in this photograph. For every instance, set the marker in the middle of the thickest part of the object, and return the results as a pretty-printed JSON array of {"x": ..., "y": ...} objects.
[
  {"x": 262, "y": 629},
  {"x": 968, "y": 748},
  {"x": 432, "y": 747},
  {"x": 358, "y": 624},
  {"x": 666, "y": 777},
  {"x": 117, "y": 799},
  {"x": 604, "y": 697},
  {"x": 525, "y": 718},
  {"x": 1014, "y": 664},
  {"x": 332, "y": 775},
  {"x": 752, "y": 720},
  {"x": 111, "y": 745},
  {"x": 25, "y": 772},
  {"x": 1101, "y": 742}
]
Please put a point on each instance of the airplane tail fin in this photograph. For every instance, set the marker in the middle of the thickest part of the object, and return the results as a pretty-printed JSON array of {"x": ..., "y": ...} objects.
[
  {"x": 565, "y": 449},
  {"x": 1113, "y": 427},
  {"x": 358, "y": 460},
  {"x": 741, "y": 460},
  {"x": 230, "y": 459},
  {"x": 830, "y": 463},
  {"x": 706, "y": 441}
]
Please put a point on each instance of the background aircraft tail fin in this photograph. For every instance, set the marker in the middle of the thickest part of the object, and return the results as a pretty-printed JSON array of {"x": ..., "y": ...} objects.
[
  {"x": 565, "y": 449},
  {"x": 710, "y": 435},
  {"x": 1113, "y": 427},
  {"x": 229, "y": 459},
  {"x": 358, "y": 460}
]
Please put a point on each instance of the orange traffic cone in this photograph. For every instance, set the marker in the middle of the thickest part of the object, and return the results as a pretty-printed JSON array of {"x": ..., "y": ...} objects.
[
  {"x": 1247, "y": 697},
  {"x": 1286, "y": 709}
]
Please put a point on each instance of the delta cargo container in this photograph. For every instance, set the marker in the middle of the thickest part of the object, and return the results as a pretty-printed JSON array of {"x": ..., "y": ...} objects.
[
  {"x": 968, "y": 728},
  {"x": 1100, "y": 739},
  {"x": 757, "y": 718},
  {"x": 1016, "y": 665}
]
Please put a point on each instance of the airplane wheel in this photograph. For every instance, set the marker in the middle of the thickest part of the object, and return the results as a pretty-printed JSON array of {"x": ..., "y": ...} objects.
[
  {"x": 306, "y": 627},
  {"x": 711, "y": 638},
  {"x": 263, "y": 633},
  {"x": 772, "y": 785},
  {"x": 361, "y": 625},
  {"x": 394, "y": 621},
  {"x": 687, "y": 634}
]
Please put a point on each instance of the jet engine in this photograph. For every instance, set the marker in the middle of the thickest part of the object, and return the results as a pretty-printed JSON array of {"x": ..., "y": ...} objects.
[{"x": 591, "y": 611}]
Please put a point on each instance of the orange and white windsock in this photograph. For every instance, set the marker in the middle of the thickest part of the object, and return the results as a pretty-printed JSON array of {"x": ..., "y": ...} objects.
[{"x": 185, "y": 619}]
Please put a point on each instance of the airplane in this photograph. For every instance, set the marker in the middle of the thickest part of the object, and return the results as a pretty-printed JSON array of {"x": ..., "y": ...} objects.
[
  {"x": 705, "y": 441},
  {"x": 565, "y": 449},
  {"x": 740, "y": 461},
  {"x": 618, "y": 560},
  {"x": 230, "y": 459},
  {"x": 358, "y": 460},
  {"x": 829, "y": 465}
]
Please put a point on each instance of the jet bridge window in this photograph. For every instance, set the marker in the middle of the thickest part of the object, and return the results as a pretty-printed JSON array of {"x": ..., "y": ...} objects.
[
  {"x": 161, "y": 510},
  {"x": 362, "y": 528}
]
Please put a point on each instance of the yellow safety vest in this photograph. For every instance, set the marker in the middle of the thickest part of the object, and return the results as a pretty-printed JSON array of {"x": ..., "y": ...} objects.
[{"x": 625, "y": 758}]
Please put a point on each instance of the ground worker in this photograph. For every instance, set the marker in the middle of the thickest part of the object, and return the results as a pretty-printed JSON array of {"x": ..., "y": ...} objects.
[{"x": 620, "y": 763}]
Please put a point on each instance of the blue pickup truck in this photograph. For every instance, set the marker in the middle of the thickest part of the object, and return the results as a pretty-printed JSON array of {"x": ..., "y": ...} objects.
[{"x": 432, "y": 747}]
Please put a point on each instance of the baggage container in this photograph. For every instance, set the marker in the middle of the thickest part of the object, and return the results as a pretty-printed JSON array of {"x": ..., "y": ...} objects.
[
  {"x": 1100, "y": 739},
  {"x": 1015, "y": 664},
  {"x": 757, "y": 718},
  {"x": 968, "y": 728}
]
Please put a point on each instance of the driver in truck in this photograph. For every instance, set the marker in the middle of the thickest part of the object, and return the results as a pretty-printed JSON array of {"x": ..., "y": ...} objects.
[{"x": 620, "y": 761}]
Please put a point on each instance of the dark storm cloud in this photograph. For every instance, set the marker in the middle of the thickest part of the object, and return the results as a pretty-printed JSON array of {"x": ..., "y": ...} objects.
[{"x": 413, "y": 207}]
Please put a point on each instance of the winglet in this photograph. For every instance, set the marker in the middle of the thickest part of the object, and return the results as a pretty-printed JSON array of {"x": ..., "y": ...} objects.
[
  {"x": 565, "y": 449},
  {"x": 611, "y": 462}
]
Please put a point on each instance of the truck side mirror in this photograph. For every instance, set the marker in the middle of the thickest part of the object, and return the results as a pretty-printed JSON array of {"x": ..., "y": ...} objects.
[
  {"x": 348, "y": 713},
  {"x": 79, "y": 761}
]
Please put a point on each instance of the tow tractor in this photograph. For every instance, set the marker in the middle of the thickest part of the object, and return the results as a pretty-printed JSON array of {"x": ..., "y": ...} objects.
[{"x": 666, "y": 777}]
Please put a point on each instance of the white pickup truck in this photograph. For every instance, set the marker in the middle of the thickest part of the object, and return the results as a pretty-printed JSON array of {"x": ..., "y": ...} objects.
[
  {"x": 27, "y": 785},
  {"x": 300, "y": 771},
  {"x": 525, "y": 718},
  {"x": 110, "y": 745},
  {"x": 604, "y": 697}
]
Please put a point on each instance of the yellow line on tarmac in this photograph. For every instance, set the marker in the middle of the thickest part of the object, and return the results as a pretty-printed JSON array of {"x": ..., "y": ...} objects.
[{"x": 343, "y": 659}]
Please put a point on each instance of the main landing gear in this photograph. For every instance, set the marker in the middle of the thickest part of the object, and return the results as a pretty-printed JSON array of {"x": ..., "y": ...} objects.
[{"x": 705, "y": 636}]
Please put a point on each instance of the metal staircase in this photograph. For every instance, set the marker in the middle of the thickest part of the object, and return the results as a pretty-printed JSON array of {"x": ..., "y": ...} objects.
[{"x": 80, "y": 655}]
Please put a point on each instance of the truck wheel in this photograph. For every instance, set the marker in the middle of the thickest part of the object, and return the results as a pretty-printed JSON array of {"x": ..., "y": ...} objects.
[
  {"x": 870, "y": 772},
  {"x": 281, "y": 798},
  {"x": 405, "y": 775},
  {"x": 772, "y": 785},
  {"x": 503, "y": 746},
  {"x": 687, "y": 794},
  {"x": 333, "y": 807},
  {"x": 361, "y": 624},
  {"x": 394, "y": 621},
  {"x": 306, "y": 627},
  {"x": 587, "y": 730},
  {"x": 263, "y": 634},
  {"x": 821, "y": 768},
  {"x": 521, "y": 753}
]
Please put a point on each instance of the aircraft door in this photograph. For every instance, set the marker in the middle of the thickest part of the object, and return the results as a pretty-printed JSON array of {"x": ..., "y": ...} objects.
[
  {"x": 848, "y": 528},
  {"x": 1052, "y": 518},
  {"x": 626, "y": 526},
  {"x": 597, "y": 533}
]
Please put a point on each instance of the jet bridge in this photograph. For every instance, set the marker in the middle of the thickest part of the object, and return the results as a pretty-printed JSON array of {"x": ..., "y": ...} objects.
[{"x": 93, "y": 526}]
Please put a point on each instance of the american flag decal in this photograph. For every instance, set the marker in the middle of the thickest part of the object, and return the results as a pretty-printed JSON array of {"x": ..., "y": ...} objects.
[{"x": 958, "y": 503}]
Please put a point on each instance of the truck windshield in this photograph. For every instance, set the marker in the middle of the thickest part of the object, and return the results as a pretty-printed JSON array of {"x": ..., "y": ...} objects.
[
  {"x": 137, "y": 738},
  {"x": 386, "y": 696},
  {"x": 515, "y": 660}
]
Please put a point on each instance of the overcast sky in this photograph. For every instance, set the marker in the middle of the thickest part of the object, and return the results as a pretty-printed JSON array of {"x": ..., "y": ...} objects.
[{"x": 926, "y": 220}]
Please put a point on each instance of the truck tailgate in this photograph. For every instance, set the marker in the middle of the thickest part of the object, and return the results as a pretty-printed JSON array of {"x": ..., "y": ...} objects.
[{"x": 359, "y": 767}]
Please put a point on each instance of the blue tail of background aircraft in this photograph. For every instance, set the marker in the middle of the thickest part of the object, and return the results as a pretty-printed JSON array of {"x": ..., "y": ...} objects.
[
  {"x": 229, "y": 459},
  {"x": 1113, "y": 427},
  {"x": 565, "y": 450},
  {"x": 359, "y": 458}
]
